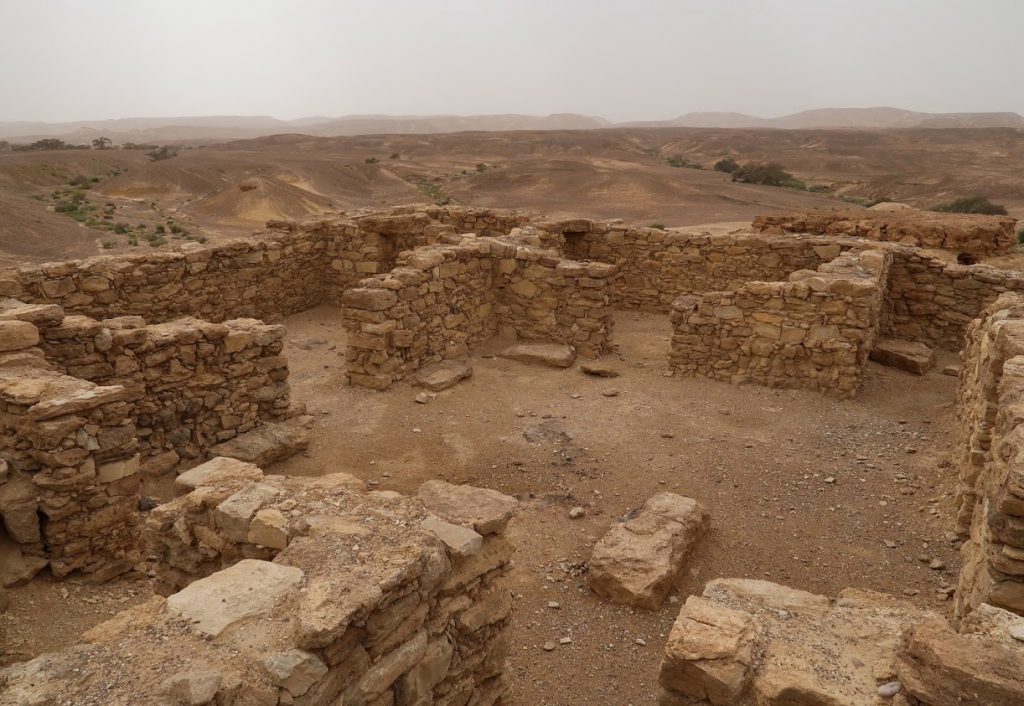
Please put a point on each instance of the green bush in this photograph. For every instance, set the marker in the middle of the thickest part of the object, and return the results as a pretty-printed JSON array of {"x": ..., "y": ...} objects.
[
  {"x": 768, "y": 174},
  {"x": 972, "y": 204},
  {"x": 434, "y": 192},
  {"x": 160, "y": 228},
  {"x": 107, "y": 244},
  {"x": 371, "y": 160},
  {"x": 727, "y": 165},
  {"x": 1020, "y": 236},
  {"x": 157, "y": 242},
  {"x": 175, "y": 228},
  {"x": 682, "y": 163},
  {"x": 819, "y": 188},
  {"x": 659, "y": 226},
  {"x": 395, "y": 155},
  {"x": 80, "y": 180},
  {"x": 481, "y": 167},
  {"x": 122, "y": 228},
  {"x": 160, "y": 153}
]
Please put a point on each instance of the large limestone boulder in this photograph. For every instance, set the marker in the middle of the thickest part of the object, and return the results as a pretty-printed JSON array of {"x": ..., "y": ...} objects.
[
  {"x": 911, "y": 356},
  {"x": 483, "y": 510},
  {"x": 638, "y": 561},
  {"x": 266, "y": 444}
]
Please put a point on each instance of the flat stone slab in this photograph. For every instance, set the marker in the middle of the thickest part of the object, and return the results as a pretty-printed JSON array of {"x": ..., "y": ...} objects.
[
  {"x": 266, "y": 444},
  {"x": 637, "y": 562},
  {"x": 214, "y": 472},
  {"x": 552, "y": 354},
  {"x": 911, "y": 356},
  {"x": 249, "y": 588},
  {"x": 599, "y": 369},
  {"x": 484, "y": 510},
  {"x": 441, "y": 376}
]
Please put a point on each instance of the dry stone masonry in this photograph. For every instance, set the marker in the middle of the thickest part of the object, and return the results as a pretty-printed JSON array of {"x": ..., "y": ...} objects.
[
  {"x": 306, "y": 591},
  {"x": 814, "y": 330},
  {"x": 958, "y": 232}
]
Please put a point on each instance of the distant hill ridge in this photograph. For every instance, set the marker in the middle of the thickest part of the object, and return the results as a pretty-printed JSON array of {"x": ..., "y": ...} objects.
[{"x": 225, "y": 127}]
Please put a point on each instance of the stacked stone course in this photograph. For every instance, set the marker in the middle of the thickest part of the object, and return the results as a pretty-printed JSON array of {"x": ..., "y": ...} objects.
[
  {"x": 813, "y": 331},
  {"x": 350, "y": 597},
  {"x": 958, "y": 232},
  {"x": 990, "y": 460}
]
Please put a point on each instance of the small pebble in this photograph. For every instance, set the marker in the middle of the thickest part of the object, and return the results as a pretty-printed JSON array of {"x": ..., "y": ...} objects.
[
  {"x": 548, "y": 646},
  {"x": 889, "y": 690}
]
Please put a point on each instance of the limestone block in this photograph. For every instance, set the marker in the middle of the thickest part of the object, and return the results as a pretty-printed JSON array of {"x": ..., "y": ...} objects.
[
  {"x": 441, "y": 376},
  {"x": 551, "y": 354},
  {"x": 295, "y": 670},
  {"x": 234, "y": 514},
  {"x": 460, "y": 541},
  {"x": 266, "y": 444},
  {"x": 486, "y": 511},
  {"x": 246, "y": 590},
  {"x": 116, "y": 470},
  {"x": 16, "y": 335},
  {"x": 195, "y": 687},
  {"x": 214, "y": 472},
  {"x": 638, "y": 561},
  {"x": 911, "y": 356}
]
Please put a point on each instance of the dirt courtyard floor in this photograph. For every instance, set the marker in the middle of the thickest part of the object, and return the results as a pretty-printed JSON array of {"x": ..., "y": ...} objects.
[{"x": 804, "y": 490}]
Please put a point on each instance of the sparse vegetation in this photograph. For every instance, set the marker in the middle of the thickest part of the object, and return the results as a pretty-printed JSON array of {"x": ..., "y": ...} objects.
[
  {"x": 395, "y": 155},
  {"x": 371, "y": 160},
  {"x": 122, "y": 228},
  {"x": 434, "y": 192},
  {"x": 682, "y": 163},
  {"x": 1020, "y": 236},
  {"x": 659, "y": 226},
  {"x": 481, "y": 167},
  {"x": 727, "y": 165},
  {"x": 165, "y": 152},
  {"x": 108, "y": 244},
  {"x": 972, "y": 204},
  {"x": 160, "y": 228},
  {"x": 102, "y": 143},
  {"x": 768, "y": 174}
]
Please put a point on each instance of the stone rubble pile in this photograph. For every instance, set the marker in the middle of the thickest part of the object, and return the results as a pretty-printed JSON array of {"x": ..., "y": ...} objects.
[{"x": 306, "y": 591}]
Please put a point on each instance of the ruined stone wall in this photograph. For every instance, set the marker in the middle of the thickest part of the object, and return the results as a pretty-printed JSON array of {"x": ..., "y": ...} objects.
[
  {"x": 267, "y": 277},
  {"x": 436, "y": 304},
  {"x": 69, "y": 488},
  {"x": 814, "y": 331},
  {"x": 657, "y": 266},
  {"x": 337, "y": 596},
  {"x": 190, "y": 384},
  {"x": 990, "y": 459},
  {"x": 958, "y": 232},
  {"x": 443, "y": 300},
  {"x": 481, "y": 221}
]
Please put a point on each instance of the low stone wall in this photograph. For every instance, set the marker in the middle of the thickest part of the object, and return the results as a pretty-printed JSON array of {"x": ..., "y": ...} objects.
[
  {"x": 190, "y": 384},
  {"x": 814, "y": 331},
  {"x": 744, "y": 642},
  {"x": 443, "y": 300},
  {"x": 990, "y": 459},
  {"x": 958, "y": 232},
  {"x": 69, "y": 488},
  {"x": 354, "y": 597}
]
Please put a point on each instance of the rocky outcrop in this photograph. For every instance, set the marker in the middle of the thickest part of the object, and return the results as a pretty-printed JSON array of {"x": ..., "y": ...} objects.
[{"x": 638, "y": 561}]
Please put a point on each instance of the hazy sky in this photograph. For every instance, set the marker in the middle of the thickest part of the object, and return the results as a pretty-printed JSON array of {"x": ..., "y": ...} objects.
[{"x": 622, "y": 59}]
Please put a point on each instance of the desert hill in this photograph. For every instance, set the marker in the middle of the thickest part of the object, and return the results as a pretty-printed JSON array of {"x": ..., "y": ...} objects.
[
  {"x": 231, "y": 188},
  {"x": 842, "y": 118}
]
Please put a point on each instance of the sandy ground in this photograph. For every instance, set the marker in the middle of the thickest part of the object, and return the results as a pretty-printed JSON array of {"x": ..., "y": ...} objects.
[{"x": 802, "y": 490}]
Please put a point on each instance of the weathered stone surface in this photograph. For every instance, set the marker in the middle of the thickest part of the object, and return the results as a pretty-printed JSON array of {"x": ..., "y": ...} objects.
[
  {"x": 911, "y": 356},
  {"x": 16, "y": 567},
  {"x": 295, "y": 670},
  {"x": 599, "y": 368},
  {"x": 195, "y": 687},
  {"x": 441, "y": 376},
  {"x": 248, "y": 589},
  {"x": 460, "y": 541},
  {"x": 215, "y": 472},
  {"x": 550, "y": 354},
  {"x": 486, "y": 511},
  {"x": 266, "y": 444},
  {"x": 638, "y": 561},
  {"x": 15, "y": 335}
]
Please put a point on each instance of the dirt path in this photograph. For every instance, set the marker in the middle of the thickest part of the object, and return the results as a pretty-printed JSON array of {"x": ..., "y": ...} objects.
[{"x": 802, "y": 490}]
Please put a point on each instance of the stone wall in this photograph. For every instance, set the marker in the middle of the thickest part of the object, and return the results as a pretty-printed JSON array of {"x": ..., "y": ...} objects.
[
  {"x": 813, "y": 331},
  {"x": 745, "y": 642},
  {"x": 337, "y": 596},
  {"x": 443, "y": 300},
  {"x": 69, "y": 488},
  {"x": 958, "y": 232},
  {"x": 990, "y": 459},
  {"x": 191, "y": 384}
]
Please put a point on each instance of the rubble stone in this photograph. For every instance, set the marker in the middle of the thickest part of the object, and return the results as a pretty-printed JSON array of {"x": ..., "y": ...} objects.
[{"x": 911, "y": 356}]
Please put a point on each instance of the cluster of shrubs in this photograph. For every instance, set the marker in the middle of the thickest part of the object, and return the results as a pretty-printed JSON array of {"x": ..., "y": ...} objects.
[
  {"x": 682, "y": 163},
  {"x": 972, "y": 204},
  {"x": 434, "y": 192},
  {"x": 766, "y": 173},
  {"x": 160, "y": 153}
]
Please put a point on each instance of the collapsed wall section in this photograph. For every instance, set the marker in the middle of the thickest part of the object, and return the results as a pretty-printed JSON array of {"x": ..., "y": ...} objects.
[
  {"x": 990, "y": 459},
  {"x": 814, "y": 331},
  {"x": 338, "y": 596}
]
